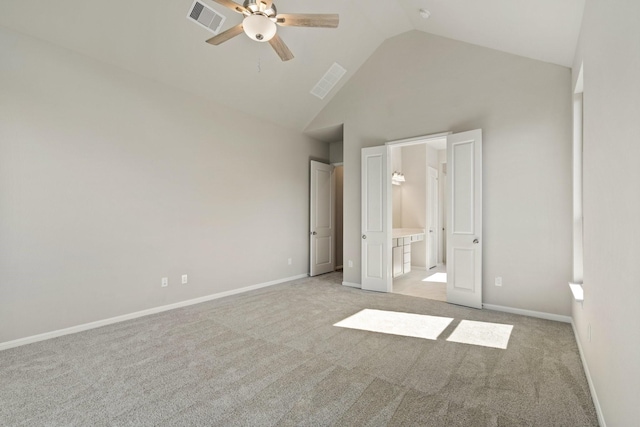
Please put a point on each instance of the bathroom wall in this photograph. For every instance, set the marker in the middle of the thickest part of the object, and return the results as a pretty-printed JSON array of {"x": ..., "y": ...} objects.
[
  {"x": 432, "y": 160},
  {"x": 414, "y": 162},
  {"x": 396, "y": 165},
  {"x": 414, "y": 197},
  {"x": 442, "y": 176}
]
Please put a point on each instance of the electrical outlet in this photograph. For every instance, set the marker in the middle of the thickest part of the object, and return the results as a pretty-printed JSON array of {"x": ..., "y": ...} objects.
[
  {"x": 289, "y": 261},
  {"x": 165, "y": 282},
  {"x": 498, "y": 281},
  {"x": 185, "y": 280},
  {"x": 350, "y": 264}
]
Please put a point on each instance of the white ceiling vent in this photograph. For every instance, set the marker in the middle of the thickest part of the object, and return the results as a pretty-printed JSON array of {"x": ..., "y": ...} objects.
[
  {"x": 328, "y": 81},
  {"x": 206, "y": 17}
]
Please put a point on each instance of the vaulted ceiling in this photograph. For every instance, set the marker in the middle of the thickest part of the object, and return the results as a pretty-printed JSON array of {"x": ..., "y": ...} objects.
[{"x": 155, "y": 39}]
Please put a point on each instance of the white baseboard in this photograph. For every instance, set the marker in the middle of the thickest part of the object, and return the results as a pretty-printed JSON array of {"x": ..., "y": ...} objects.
[
  {"x": 530, "y": 313},
  {"x": 352, "y": 285},
  {"x": 91, "y": 325},
  {"x": 413, "y": 267},
  {"x": 592, "y": 388}
]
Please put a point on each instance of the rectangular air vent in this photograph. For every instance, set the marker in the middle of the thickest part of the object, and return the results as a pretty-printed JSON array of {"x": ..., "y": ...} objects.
[
  {"x": 206, "y": 17},
  {"x": 328, "y": 81}
]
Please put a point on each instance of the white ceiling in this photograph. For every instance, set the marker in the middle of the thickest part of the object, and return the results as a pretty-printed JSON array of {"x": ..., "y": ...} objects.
[{"x": 155, "y": 39}]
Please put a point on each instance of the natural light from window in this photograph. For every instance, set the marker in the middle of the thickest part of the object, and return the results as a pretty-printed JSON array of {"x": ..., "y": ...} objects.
[
  {"x": 493, "y": 335},
  {"x": 396, "y": 323},
  {"x": 438, "y": 277},
  {"x": 485, "y": 334}
]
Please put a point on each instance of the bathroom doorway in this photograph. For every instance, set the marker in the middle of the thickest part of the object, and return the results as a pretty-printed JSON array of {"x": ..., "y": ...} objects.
[{"x": 418, "y": 218}]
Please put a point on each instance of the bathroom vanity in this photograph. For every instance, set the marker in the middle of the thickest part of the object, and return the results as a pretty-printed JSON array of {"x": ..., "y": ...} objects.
[{"x": 401, "y": 240}]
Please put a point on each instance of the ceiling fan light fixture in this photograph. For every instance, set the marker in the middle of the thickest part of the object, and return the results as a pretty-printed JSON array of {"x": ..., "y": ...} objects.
[{"x": 259, "y": 27}]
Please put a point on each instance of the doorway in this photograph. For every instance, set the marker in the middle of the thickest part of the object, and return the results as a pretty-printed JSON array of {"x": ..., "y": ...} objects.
[
  {"x": 416, "y": 214},
  {"x": 380, "y": 241},
  {"x": 326, "y": 212}
]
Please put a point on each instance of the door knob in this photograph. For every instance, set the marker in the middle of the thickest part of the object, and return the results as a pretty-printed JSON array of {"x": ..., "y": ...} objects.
[
  {"x": 313, "y": 233},
  {"x": 364, "y": 236},
  {"x": 476, "y": 241}
]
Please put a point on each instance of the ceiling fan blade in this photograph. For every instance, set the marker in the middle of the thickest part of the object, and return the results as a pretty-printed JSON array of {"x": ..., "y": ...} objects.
[
  {"x": 329, "y": 20},
  {"x": 226, "y": 35},
  {"x": 281, "y": 49},
  {"x": 231, "y": 5}
]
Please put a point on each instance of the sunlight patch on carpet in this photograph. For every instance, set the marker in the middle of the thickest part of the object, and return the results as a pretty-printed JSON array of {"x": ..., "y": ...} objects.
[
  {"x": 486, "y": 334},
  {"x": 438, "y": 277},
  {"x": 397, "y": 323}
]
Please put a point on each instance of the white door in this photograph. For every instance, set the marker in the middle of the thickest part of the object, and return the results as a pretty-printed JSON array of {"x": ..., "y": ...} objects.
[
  {"x": 464, "y": 218},
  {"x": 376, "y": 220},
  {"x": 432, "y": 217},
  {"x": 322, "y": 219}
]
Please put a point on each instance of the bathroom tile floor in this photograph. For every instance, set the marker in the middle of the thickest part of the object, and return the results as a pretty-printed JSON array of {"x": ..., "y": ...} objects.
[{"x": 416, "y": 284}]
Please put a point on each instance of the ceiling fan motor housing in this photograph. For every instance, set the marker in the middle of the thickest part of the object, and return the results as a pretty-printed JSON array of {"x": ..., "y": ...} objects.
[{"x": 267, "y": 9}]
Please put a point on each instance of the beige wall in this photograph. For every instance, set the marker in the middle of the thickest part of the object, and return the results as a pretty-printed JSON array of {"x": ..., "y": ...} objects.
[
  {"x": 609, "y": 46},
  {"x": 396, "y": 190},
  {"x": 414, "y": 197},
  {"x": 335, "y": 152},
  {"x": 442, "y": 188},
  {"x": 109, "y": 181},
  {"x": 420, "y": 84}
]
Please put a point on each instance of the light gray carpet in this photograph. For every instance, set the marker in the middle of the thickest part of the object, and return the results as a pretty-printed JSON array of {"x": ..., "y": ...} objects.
[{"x": 272, "y": 357}]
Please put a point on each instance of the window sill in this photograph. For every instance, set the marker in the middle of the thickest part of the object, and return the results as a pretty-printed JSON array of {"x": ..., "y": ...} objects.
[{"x": 577, "y": 291}]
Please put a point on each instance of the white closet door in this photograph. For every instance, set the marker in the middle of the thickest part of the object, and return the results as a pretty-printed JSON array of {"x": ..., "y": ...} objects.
[{"x": 322, "y": 228}]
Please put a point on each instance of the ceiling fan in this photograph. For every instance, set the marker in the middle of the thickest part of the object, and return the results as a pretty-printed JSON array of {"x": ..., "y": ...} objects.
[{"x": 260, "y": 24}]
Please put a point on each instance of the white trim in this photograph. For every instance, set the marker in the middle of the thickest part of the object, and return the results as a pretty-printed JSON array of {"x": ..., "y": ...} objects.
[
  {"x": 530, "y": 313},
  {"x": 337, "y": 164},
  {"x": 592, "y": 388},
  {"x": 92, "y": 325},
  {"x": 413, "y": 267},
  {"x": 579, "y": 87},
  {"x": 418, "y": 139},
  {"x": 352, "y": 285}
]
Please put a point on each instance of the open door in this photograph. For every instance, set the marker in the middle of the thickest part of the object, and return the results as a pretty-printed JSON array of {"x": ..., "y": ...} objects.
[
  {"x": 376, "y": 220},
  {"x": 321, "y": 214},
  {"x": 464, "y": 218}
]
